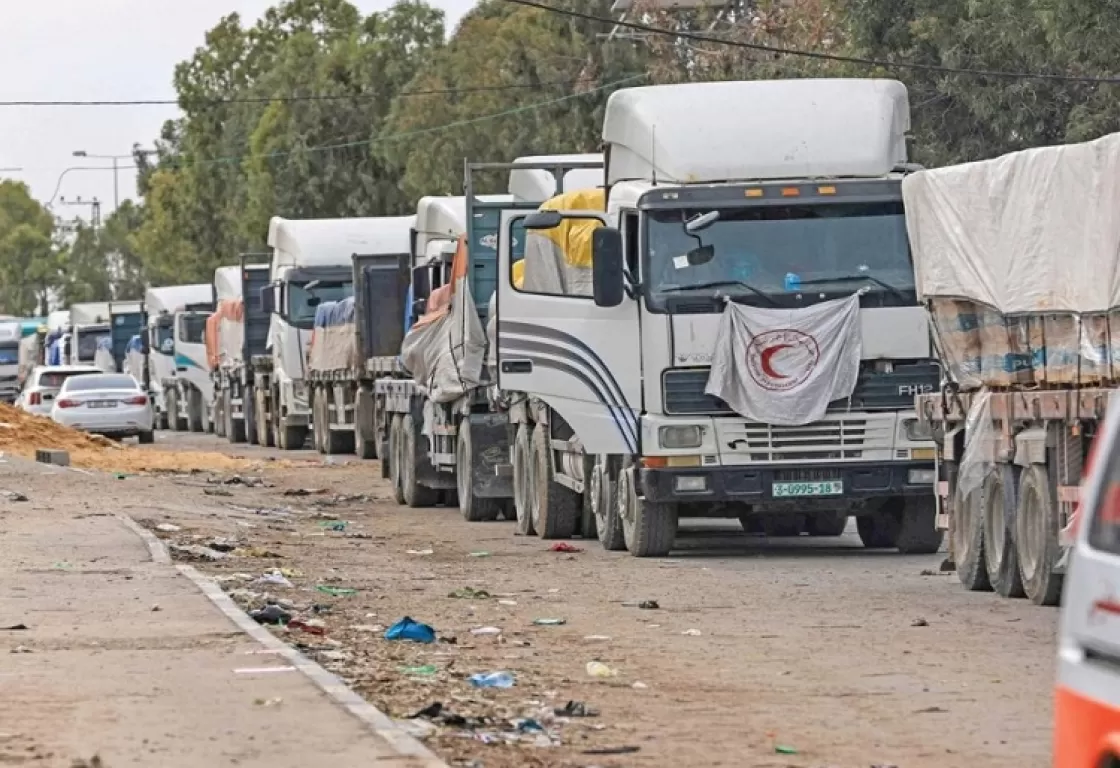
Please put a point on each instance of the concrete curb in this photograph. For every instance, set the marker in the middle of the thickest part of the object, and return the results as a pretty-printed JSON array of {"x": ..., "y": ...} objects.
[{"x": 376, "y": 721}]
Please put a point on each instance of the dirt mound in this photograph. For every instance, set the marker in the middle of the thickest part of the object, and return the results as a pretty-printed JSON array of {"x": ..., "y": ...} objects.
[{"x": 21, "y": 433}]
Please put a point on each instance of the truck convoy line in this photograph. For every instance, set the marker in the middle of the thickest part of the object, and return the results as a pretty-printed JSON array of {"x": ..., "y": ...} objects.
[{"x": 609, "y": 346}]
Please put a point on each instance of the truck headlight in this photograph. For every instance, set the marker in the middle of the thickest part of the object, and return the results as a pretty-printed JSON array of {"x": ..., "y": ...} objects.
[
  {"x": 681, "y": 437},
  {"x": 916, "y": 431}
]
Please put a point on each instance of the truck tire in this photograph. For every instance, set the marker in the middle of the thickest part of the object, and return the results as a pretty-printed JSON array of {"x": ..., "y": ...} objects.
[
  {"x": 878, "y": 529},
  {"x": 194, "y": 411},
  {"x": 603, "y": 486},
  {"x": 555, "y": 508},
  {"x": 1036, "y": 534},
  {"x": 968, "y": 540},
  {"x": 588, "y": 526},
  {"x": 291, "y": 438},
  {"x": 1001, "y": 559},
  {"x": 175, "y": 422},
  {"x": 235, "y": 428},
  {"x": 336, "y": 442},
  {"x": 219, "y": 417},
  {"x": 826, "y": 524},
  {"x": 318, "y": 430},
  {"x": 649, "y": 528},
  {"x": 475, "y": 509},
  {"x": 415, "y": 495},
  {"x": 917, "y": 530},
  {"x": 394, "y": 456},
  {"x": 365, "y": 431},
  {"x": 522, "y": 470},
  {"x": 261, "y": 428},
  {"x": 161, "y": 418},
  {"x": 146, "y": 438}
]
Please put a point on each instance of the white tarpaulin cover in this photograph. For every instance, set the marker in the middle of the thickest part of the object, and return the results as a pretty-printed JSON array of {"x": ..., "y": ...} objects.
[
  {"x": 444, "y": 351},
  {"x": 784, "y": 366},
  {"x": 1033, "y": 231},
  {"x": 334, "y": 338}
]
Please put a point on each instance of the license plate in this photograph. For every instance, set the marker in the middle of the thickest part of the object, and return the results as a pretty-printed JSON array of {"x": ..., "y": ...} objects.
[
  {"x": 814, "y": 488},
  {"x": 103, "y": 404}
]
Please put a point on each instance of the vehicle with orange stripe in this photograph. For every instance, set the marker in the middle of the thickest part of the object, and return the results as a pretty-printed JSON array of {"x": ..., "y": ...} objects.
[{"x": 1087, "y": 699}]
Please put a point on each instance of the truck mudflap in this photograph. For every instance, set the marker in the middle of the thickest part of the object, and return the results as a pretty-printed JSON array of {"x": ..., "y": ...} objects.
[
  {"x": 818, "y": 485},
  {"x": 490, "y": 443}
]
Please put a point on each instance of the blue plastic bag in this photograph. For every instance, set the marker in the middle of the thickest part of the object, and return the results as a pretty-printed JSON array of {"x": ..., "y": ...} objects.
[
  {"x": 408, "y": 629},
  {"x": 492, "y": 680}
]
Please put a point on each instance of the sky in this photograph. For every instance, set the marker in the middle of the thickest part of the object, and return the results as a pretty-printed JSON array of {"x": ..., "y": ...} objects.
[{"x": 66, "y": 50}]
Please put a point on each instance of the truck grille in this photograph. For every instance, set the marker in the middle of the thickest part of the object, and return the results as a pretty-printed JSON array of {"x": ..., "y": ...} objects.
[
  {"x": 682, "y": 389},
  {"x": 830, "y": 439}
]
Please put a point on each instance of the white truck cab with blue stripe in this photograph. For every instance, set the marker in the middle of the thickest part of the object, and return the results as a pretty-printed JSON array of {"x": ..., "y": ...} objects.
[
  {"x": 177, "y": 375},
  {"x": 773, "y": 204}
]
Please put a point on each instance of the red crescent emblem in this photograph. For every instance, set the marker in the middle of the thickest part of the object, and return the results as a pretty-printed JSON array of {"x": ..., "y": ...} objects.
[{"x": 766, "y": 361}]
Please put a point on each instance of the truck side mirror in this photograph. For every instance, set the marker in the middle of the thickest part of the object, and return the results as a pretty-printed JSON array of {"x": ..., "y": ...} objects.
[
  {"x": 419, "y": 307},
  {"x": 607, "y": 275},
  {"x": 268, "y": 299},
  {"x": 543, "y": 220},
  {"x": 421, "y": 283}
]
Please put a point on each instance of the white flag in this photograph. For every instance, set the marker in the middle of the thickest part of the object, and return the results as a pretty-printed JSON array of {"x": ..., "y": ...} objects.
[{"x": 784, "y": 366}]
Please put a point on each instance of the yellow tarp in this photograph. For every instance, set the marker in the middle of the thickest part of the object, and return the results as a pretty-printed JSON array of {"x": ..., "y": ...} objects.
[{"x": 573, "y": 236}]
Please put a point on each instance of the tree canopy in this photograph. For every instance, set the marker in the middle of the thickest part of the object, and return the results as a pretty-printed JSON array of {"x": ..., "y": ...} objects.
[{"x": 318, "y": 111}]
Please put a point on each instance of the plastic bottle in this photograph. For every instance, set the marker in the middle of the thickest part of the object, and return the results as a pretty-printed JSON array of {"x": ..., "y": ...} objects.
[{"x": 599, "y": 669}]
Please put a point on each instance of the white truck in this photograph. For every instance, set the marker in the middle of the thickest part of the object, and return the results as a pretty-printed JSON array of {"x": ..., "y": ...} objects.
[
  {"x": 235, "y": 332},
  {"x": 446, "y": 436},
  {"x": 312, "y": 263},
  {"x": 1016, "y": 260},
  {"x": 89, "y": 334},
  {"x": 355, "y": 340},
  {"x": 11, "y": 334},
  {"x": 749, "y": 343},
  {"x": 177, "y": 374}
]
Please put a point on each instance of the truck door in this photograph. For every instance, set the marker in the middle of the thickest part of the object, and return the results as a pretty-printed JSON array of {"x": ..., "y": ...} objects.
[{"x": 554, "y": 343}]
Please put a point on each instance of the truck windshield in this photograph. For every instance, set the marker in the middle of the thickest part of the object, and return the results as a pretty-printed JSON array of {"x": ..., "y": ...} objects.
[
  {"x": 790, "y": 256},
  {"x": 9, "y": 354},
  {"x": 301, "y": 312},
  {"x": 162, "y": 340},
  {"x": 192, "y": 328},
  {"x": 87, "y": 344}
]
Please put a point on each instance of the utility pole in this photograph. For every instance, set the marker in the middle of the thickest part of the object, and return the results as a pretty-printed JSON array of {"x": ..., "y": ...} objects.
[
  {"x": 95, "y": 210},
  {"x": 115, "y": 169}
]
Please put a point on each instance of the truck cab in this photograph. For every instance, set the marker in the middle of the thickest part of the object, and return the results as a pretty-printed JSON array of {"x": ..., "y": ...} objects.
[
  {"x": 178, "y": 373},
  {"x": 777, "y": 197}
]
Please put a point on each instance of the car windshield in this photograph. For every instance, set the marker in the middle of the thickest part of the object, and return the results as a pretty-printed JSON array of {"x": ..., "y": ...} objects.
[
  {"x": 99, "y": 381},
  {"x": 778, "y": 251},
  {"x": 87, "y": 344},
  {"x": 300, "y": 310},
  {"x": 55, "y": 379},
  {"x": 9, "y": 354}
]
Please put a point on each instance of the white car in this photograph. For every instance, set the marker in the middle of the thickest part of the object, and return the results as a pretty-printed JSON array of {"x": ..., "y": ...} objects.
[
  {"x": 43, "y": 384},
  {"x": 111, "y": 404}
]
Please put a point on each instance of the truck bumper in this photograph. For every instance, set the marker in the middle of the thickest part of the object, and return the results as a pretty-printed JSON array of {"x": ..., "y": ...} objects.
[{"x": 755, "y": 484}]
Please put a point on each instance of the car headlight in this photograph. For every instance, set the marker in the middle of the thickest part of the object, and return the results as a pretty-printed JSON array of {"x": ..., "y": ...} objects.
[
  {"x": 916, "y": 431},
  {"x": 681, "y": 437}
]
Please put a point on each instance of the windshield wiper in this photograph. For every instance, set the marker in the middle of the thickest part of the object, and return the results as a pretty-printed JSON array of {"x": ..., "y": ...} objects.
[
  {"x": 720, "y": 284},
  {"x": 858, "y": 279}
]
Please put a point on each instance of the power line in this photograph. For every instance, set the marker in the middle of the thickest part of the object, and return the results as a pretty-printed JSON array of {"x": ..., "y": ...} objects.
[
  {"x": 820, "y": 55},
  {"x": 396, "y": 136},
  {"x": 289, "y": 99}
]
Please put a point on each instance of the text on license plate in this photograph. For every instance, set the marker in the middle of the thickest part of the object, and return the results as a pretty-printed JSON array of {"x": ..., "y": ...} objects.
[
  {"x": 103, "y": 404},
  {"x": 814, "y": 488}
]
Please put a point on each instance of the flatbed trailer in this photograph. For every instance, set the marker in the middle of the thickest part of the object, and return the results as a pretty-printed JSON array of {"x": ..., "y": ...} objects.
[{"x": 1009, "y": 469}]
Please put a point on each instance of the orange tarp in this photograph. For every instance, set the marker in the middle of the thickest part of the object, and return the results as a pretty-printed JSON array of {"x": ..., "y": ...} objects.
[{"x": 439, "y": 303}]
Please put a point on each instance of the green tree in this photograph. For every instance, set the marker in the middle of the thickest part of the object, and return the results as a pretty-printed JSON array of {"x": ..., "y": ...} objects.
[{"x": 29, "y": 261}]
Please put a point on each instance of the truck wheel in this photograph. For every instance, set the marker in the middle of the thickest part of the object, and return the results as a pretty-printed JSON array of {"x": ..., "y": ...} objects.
[
  {"x": 588, "y": 528},
  {"x": 1000, "y": 557},
  {"x": 522, "y": 472},
  {"x": 415, "y": 495},
  {"x": 1036, "y": 533},
  {"x": 474, "y": 509},
  {"x": 235, "y": 428},
  {"x": 365, "y": 432},
  {"x": 194, "y": 411},
  {"x": 174, "y": 422},
  {"x": 968, "y": 540},
  {"x": 219, "y": 414},
  {"x": 261, "y": 427},
  {"x": 917, "y": 531},
  {"x": 826, "y": 524},
  {"x": 161, "y": 418},
  {"x": 393, "y": 457},
  {"x": 879, "y": 529},
  {"x": 604, "y": 504},
  {"x": 317, "y": 428},
  {"x": 555, "y": 508},
  {"x": 649, "y": 528},
  {"x": 783, "y": 526}
]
